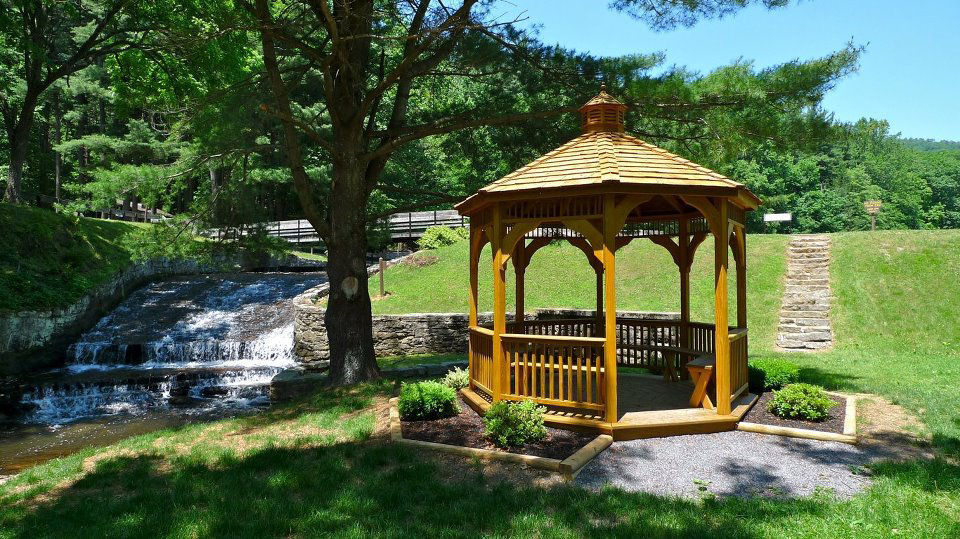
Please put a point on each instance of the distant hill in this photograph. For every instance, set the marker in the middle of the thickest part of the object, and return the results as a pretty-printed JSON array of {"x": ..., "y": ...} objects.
[{"x": 930, "y": 145}]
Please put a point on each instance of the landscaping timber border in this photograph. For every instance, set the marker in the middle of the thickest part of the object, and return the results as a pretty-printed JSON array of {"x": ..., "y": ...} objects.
[
  {"x": 849, "y": 435},
  {"x": 568, "y": 467}
]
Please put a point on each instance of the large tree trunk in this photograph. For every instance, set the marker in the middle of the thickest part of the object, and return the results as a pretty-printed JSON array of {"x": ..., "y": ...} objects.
[
  {"x": 348, "y": 319},
  {"x": 58, "y": 138},
  {"x": 19, "y": 142}
]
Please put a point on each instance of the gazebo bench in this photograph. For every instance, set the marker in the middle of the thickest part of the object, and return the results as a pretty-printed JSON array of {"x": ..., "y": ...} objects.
[
  {"x": 669, "y": 373},
  {"x": 701, "y": 372}
]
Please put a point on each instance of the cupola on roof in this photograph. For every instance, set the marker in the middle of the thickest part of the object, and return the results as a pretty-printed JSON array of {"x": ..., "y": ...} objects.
[{"x": 603, "y": 113}]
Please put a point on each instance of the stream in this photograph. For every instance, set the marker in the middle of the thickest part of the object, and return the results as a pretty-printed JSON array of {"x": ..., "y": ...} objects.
[{"x": 176, "y": 351}]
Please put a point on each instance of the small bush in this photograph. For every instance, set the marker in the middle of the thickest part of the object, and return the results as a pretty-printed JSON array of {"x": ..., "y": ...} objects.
[
  {"x": 457, "y": 379},
  {"x": 427, "y": 400},
  {"x": 801, "y": 401},
  {"x": 767, "y": 374},
  {"x": 511, "y": 424},
  {"x": 441, "y": 236}
]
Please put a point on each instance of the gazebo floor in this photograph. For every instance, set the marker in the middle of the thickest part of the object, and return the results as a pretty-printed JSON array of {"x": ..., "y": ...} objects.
[{"x": 649, "y": 407}]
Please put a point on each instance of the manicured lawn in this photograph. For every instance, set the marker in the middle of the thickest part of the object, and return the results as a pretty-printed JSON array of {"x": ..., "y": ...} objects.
[
  {"x": 394, "y": 362},
  {"x": 307, "y": 255},
  {"x": 897, "y": 324},
  {"x": 51, "y": 260},
  {"x": 311, "y": 469}
]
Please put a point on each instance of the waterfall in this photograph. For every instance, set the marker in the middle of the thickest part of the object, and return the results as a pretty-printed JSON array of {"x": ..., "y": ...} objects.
[{"x": 190, "y": 343}]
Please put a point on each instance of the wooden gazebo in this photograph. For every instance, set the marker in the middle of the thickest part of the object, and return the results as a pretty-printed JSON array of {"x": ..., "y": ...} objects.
[{"x": 600, "y": 191}]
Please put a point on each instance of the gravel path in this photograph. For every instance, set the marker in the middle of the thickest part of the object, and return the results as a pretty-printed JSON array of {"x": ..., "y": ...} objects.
[{"x": 734, "y": 463}]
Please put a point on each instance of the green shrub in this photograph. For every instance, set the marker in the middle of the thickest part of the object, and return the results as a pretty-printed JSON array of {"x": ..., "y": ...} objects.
[
  {"x": 511, "y": 424},
  {"x": 457, "y": 378},
  {"x": 767, "y": 374},
  {"x": 427, "y": 400},
  {"x": 441, "y": 236},
  {"x": 801, "y": 401}
]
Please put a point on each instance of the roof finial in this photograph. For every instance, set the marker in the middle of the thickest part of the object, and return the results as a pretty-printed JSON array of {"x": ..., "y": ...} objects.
[{"x": 603, "y": 87}]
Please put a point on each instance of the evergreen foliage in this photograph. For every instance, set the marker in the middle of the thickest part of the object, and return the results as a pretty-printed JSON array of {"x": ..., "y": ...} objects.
[
  {"x": 801, "y": 401},
  {"x": 768, "y": 373},
  {"x": 427, "y": 400},
  {"x": 513, "y": 424}
]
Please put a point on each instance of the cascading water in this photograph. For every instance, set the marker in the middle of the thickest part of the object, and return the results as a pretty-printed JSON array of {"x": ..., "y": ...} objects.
[{"x": 193, "y": 343}]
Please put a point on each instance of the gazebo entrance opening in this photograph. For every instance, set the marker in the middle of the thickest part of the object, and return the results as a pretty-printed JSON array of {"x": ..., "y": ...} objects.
[{"x": 599, "y": 192}]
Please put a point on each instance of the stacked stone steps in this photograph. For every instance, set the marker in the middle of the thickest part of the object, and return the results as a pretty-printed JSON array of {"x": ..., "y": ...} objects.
[{"x": 805, "y": 311}]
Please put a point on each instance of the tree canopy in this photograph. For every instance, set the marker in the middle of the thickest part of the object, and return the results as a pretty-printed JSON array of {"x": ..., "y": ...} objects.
[{"x": 227, "y": 113}]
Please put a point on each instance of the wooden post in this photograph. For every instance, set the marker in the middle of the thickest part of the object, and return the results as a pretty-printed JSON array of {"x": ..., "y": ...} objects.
[
  {"x": 499, "y": 302},
  {"x": 721, "y": 236},
  {"x": 600, "y": 319},
  {"x": 474, "y": 277},
  {"x": 610, "y": 228},
  {"x": 519, "y": 269},
  {"x": 683, "y": 264},
  {"x": 741, "y": 262},
  {"x": 383, "y": 269}
]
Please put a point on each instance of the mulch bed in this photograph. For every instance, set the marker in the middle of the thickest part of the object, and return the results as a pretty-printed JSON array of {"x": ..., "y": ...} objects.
[
  {"x": 466, "y": 429},
  {"x": 834, "y": 422}
]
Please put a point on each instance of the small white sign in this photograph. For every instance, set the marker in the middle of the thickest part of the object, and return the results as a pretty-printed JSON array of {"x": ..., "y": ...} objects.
[{"x": 776, "y": 217}]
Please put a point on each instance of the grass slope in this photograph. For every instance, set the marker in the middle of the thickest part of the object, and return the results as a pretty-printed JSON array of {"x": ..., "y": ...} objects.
[
  {"x": 896, "y": 313},
  {"x": 559, "y": 276},
  {"x": 50, "y": 260},
  {"x": 896, "y": 319},
  {"x": 312, "y": 469}
]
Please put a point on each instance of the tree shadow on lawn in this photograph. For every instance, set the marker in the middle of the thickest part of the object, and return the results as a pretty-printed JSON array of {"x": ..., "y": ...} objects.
[
  {"x": 375, "y": 488},
  {"x": 357, "y": 489},
  {"x": 831, "y": 380}
]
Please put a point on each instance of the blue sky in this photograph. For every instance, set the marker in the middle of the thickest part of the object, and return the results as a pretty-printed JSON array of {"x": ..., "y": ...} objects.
[{"x": 909, "y": 75}]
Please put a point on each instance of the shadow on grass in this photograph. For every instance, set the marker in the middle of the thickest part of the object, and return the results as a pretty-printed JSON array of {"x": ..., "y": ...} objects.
[
  {"x": 353, "y": 489},
  {"x": 372, "y": 488},
  {"x": 364, "y": 488}
]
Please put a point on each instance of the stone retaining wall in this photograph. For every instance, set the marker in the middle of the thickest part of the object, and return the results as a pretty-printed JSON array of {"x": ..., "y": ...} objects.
[{"x": 408, "y": 334}]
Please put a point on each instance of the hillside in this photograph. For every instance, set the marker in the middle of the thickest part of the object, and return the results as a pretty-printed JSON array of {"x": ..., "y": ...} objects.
[
  {"x": 50, "y": 260},
  {"x": 559, "y": 276},
  {"x": 895, "y": 315}
]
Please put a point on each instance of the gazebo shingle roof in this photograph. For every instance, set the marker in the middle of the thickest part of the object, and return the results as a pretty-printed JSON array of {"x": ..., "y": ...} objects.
[{"x": 601, "y": 157}]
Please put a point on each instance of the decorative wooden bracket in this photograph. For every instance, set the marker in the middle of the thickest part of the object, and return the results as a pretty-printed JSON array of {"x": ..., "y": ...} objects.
[
  {"x": 670, "y": 246},
  {"x": 516, "y": 234},
  {"x": 532, "y": 247},
  {"x": 707, "y": 209},
  {"x": 596, "y": 262},
  {"x": 674, "y": 249}
]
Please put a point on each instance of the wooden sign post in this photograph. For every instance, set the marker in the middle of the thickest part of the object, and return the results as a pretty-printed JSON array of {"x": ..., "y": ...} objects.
[
  {"x": 383, "y": 267},
  {"x": 873, "y": 208}
]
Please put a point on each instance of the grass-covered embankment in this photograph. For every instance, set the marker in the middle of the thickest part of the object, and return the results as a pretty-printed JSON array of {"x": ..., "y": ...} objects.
[
  {"x": 559, "y": 276},
  {"x": 896, "y": 320},
  {"x": 50, "y": 260},
  {"x": 896, "y": 314},
  {"x": 316, "y": 468}
]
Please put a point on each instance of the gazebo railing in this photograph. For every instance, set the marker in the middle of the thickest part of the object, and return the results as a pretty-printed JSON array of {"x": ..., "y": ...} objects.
[
  {"x": 555, "y": 370},
  {"x": 481, "y": 358},
  {"x": 559, "y": 362},
  {"x": 566, "y": 327},
  {"x": 739, "y": 374}
]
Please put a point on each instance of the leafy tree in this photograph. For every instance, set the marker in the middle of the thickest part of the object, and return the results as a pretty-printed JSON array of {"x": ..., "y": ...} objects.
[
  {"x": 42, "y": 42},
  {"x": 355, "y": 82}
]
